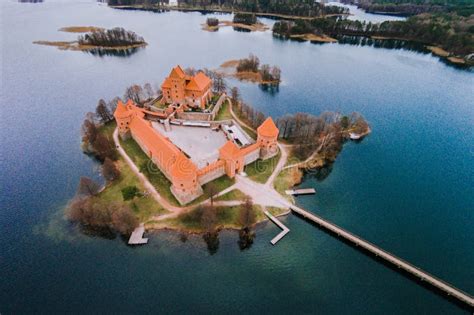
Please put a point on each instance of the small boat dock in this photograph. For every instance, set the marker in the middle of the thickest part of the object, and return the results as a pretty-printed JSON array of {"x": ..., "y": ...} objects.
[
  {"x": 304, "y": 191},
  {"x": 284, "y": 231},
  {"x": 137, "y": 236}
]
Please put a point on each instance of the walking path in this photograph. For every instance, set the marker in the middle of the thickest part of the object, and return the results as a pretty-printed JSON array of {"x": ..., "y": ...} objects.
[{"x": 266, "y": 195}]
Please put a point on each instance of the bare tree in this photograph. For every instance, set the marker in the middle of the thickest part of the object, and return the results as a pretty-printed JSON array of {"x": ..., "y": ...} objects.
[
  {"x": 211, "y": 191},
  {"x": 235, "y": 95},
  {"x": 219, "y": 83},
  {"x": 89, "y": 131},
  {"x": 104, "y": 148},
  {"x": 148, "y": 89},
  {"x": 123, "y": 220},
  {"x": 134, "y": 93},
  {"x": 110, "y": 170},
  {"x": 247, "y": 215},
  {"x": 87, "y": 187},
  {"x": 112, "y": 104},
  {"x": 103, "y": 112}
]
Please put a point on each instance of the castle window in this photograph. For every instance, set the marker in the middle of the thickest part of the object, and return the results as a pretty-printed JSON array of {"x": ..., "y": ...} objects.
[{"x": 182, "y": 185}]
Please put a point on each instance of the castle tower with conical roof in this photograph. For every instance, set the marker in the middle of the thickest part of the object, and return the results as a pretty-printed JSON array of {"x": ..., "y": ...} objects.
[{"x": 267, "y": 135}]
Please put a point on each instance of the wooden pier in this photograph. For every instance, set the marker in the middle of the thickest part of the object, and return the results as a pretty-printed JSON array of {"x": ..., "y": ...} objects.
[
  {"x": 304, "y": 191},
  {"x": 388, "y": 257},
  {"x": 137, "y": 236},
  {"x": 284, "y": 231}
]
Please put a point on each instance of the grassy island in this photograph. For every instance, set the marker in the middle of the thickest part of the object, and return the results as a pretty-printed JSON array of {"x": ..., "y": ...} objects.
[
  {"x": 244, "y": 162},
  {"x": 249, "y": 69},
  {"x": 99, "y": 41}
]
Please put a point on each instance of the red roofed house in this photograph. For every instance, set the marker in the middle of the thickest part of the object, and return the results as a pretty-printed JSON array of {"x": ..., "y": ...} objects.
[{"x": 180, "y": 88}]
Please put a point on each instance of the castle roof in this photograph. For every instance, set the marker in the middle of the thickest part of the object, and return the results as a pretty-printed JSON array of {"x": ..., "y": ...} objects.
[
  {"x": 199, "y": 82},
  {"x": 177, "y": 72},
  {"x": 183, "y": 168},
  {"x": 268, "y": 128},
  {"x": 121, "y": 111},
  {"x": 229, "y": 150},
  {"x": 162, "y": 150}
]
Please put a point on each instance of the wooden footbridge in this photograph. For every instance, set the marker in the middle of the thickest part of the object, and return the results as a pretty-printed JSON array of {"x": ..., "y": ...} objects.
[{"x": 439, "y": 284}]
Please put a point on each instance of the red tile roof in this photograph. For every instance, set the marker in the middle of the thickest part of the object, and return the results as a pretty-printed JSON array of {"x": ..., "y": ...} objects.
[
  {"x": 177, "y": 72},
  {"x": 199, "y": 82},
  {"x": 268, "y": 128},
  {"x": 229, "y": 150}
]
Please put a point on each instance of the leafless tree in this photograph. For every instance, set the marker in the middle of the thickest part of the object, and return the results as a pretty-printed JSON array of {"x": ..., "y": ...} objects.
[
  {"x": 110, "y": 170},
  {"x": 247, "y": 215},
  {"x": 134, "y": 93},
  {"x": 149, "y": 93},
  {"x": 102, "y": 112},
  {"x": 87, "y": 187}
]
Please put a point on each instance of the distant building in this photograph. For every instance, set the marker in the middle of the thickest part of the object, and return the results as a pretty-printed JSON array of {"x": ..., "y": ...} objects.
[
  {"x": 180, "y": 88},
  {"x": 173, "y": 3},
  {"x": 185, "y": 176}
]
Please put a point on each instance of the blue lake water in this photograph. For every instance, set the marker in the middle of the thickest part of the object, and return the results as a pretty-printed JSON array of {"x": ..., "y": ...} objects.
[{"x": 408, "y": 187}]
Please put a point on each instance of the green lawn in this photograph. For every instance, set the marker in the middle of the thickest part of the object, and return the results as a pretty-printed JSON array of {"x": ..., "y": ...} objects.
[
  {"x": 144, "y": 207},
  {"x": 149, "y": 169},
  {"x": 224, "y": 112},
  {"x": 227, "y": 217},
  {"x": 232, "y": 195},
  {"x": 220, "y": 184},
  {"x": 260, "y": 170}
]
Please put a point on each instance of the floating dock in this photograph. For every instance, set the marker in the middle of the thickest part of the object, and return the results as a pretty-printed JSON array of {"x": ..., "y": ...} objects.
[
  {"x": 137, "y": 236},
  {"x": 304, "y": 191},
  {"x": 284, "y": 231}
]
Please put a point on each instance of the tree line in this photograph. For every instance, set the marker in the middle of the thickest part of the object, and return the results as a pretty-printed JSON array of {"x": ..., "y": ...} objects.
[
  {"x": 326, "y": 132},
  {"x": 245, "y": 18},
  {"x": 111, "y": 38},
  {"x": 414, "y": 7},
  {"x": 306, "y": 8},
  {"x": 96, "y": 216},
  {"x": 451, "y": 32}
]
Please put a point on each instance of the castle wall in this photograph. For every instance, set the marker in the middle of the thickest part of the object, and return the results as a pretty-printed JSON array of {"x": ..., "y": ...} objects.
[
  {"x": 252, "y": 156},
  {"x": 211, "y": 172},
  {"x": 186, "y": 197}
]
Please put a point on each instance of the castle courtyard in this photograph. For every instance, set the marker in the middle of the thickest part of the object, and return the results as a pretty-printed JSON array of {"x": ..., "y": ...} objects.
[{"x": 201, "y": 144}]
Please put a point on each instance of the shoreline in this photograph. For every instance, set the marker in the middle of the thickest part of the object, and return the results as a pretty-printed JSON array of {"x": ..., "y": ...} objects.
[
  {"x": 75, "y": 46},
  {"x": 229, "y": 69},
  {"x": 257, "y": 27},
  {"x": 221, "y": 10}
]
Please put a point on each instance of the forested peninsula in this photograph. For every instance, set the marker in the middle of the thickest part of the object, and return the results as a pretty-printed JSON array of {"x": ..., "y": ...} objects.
[{"x": 447, "y": 34}]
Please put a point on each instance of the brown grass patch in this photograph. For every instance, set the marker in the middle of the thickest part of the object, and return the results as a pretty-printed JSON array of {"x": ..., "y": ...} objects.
[
  {"x": 315, "y": 38},
  {"x": 80, "y": 29}
]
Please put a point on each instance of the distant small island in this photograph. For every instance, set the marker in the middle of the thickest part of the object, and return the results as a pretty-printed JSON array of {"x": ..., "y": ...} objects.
[
  {"x": 98, "y": 40},
  {"x": 249, "y": 69},
  {"x": 241, "y": 21}
]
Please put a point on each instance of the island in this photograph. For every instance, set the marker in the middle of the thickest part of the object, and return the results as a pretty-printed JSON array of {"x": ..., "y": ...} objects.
[
  {"x": 99, "y": 40},
  {"x": 241, "y": 21},
  {"x": 249, "y": 69},
  {"x": 192, "y": 158}
]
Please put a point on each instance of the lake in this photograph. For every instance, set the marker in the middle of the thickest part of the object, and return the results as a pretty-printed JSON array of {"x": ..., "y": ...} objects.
[{"x": 408, "y": 187}]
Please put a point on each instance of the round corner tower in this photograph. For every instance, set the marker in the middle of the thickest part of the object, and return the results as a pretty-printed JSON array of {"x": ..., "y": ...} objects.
[{"x": 267, "y": 136}]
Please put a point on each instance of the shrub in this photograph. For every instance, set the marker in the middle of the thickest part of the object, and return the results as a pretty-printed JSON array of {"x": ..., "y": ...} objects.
[{"x": 130, "y": 192}]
